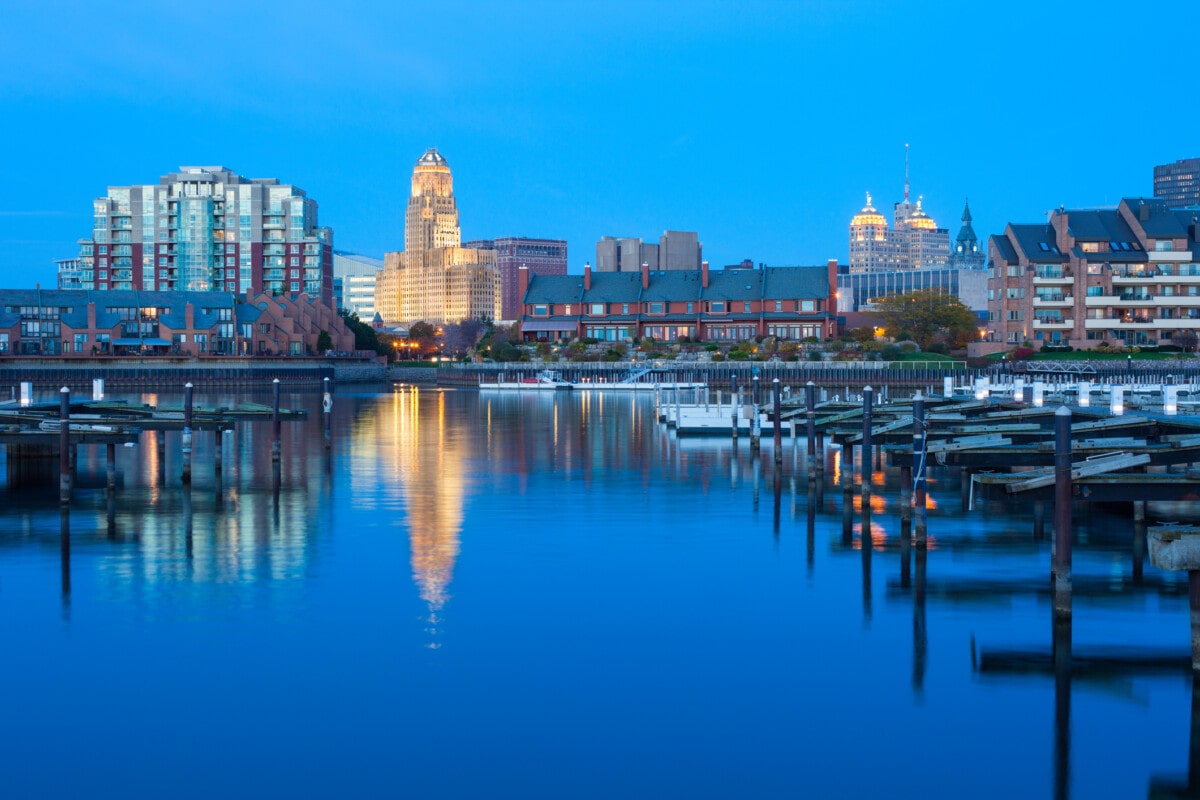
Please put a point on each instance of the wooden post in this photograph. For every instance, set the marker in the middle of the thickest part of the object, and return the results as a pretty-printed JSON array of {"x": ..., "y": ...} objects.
[
  {"x": 187, "y": 433},
  {"x": 919, "y": 442},
  {"x": 1062, "y": 511},
  {"x": 327, "y": 408},
  {"x": 776, "y": 409},
  {"x": 218, "y": 451},
  {"x": 276, "y": 445},
  {"x": 810, "y": 402},
  {"x": 865, "y": 462},
  {"x": 64, "y": 445},
  {"x": 755, "y": 426}
]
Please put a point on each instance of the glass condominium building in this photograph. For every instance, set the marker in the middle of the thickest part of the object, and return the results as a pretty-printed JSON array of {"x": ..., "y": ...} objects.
[{"x": 208, "y": 229}]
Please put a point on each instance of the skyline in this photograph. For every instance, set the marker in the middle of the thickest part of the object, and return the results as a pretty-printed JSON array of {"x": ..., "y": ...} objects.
[{"x": 758, "y": 125}]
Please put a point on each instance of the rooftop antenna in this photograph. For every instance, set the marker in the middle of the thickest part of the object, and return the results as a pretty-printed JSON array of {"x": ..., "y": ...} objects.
[{"x": 906, "y": 172}]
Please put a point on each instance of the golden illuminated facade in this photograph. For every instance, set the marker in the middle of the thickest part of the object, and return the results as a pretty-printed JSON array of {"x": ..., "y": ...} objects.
[
  {"x": 916, "y": 242},
  {"x": 436, "y": 280}
]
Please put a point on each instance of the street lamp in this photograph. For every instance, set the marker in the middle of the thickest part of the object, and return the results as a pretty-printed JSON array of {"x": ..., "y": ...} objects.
[{"x": 1129, "y": 364}]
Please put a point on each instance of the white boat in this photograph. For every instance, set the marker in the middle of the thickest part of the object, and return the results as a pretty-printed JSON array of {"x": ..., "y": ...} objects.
[{"x": 546, "y": 380}]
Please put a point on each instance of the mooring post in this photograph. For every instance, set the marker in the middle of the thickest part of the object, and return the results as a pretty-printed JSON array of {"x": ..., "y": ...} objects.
[
  {"x": 964, "y": 488},
  {"x": 218, "y": 448},
  {"x": 110, "y": 466},
  {"x": 810, "y": 402},
  {"x": 919, "y": 442},
  {"x": 1194, "y": 605},
  {"x": 64, "y": 445},
  {"x": 755, "y": 423},
  {"x": 777, "y": 411},
  {"x": 327, "y": 407},
  {"x": 187, "y": 433},
  {"x": 865, "y": 463},
  {"x": 276, "y": 445},
  {"x": 820, "y": 453},
  {"x": 734, "y": 402},
  {"x": 1062, "y": 511}
]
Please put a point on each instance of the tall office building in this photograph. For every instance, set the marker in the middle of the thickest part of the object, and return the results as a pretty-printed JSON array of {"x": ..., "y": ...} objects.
[
  {"x": 914, "y": 242},
  {"x": 354, "y": 283},
  {"x": 539, "y": 256},
  {"x": 676, "y": 250},
  {"x": 208, "y": 229},
  {"x": 435, "y": 279},
  {"x": 1178, "y": 183}
]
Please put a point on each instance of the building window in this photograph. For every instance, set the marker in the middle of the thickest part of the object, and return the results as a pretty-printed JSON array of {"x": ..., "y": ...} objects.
[
  {"x": 656, "y": 308},
  {"x": 808, "y": 305},
  {"x": 597, "y": 309},
  {"x": 779, "y": 305},
  {"x": 690, "y": 306},
  {"x": 625, "y": 308},
  {"x": 717, "y": 306},
  {"x": 541, "y": 311}
]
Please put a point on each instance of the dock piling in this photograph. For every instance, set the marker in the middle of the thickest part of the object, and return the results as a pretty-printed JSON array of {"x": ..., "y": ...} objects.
[
  {"x": 187, "y": 433},
  {"x": 1062, "y": 511},
  {"x": 327, "y": 408},
  {"x": 276, "y": 444},
  {"x": 64, "y": 445},
  {"x": 810, "y": 402},
  {"x": 919, "y": 442},
  {"x": 776, "y": 411},
  {"x": 735, "y": 398},
  {"x": 866, "y": 460}
]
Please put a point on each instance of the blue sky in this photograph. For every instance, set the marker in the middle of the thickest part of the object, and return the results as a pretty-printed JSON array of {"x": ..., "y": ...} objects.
[{"x": 757, "y": 124}]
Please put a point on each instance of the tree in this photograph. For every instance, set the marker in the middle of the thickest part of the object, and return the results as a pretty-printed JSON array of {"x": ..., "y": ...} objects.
[
  {"x": 928, "y": 317},
  {"x": 459, "y": 337},
  {"x": 1186, "y": 340},
  {"x": 324, "y": 341},
  {"x": 365, "y": 337}
]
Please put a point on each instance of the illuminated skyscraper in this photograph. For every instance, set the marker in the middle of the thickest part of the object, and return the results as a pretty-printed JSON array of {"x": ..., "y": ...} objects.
[
  {"x": 435, "y": 279},
  {"x": 1178, "y": 183},
  {"x": 915, "y": 241}
]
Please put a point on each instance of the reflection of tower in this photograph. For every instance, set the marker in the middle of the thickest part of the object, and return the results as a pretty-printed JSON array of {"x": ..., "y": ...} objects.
[{"x": 430, "y": 464}]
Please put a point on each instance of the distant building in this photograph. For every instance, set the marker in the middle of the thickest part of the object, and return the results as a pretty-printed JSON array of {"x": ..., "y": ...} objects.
[
  {"x": 85, "y": 323},
  {"x": 208, "y": 229},
  {"x": 858, "y": 291},
  {"x": 1127, "y": 276},
  {"x": 791, "y": 303},
  {"x": 676, "y": 250},
  {"x": 916, "y": 242},
  {"x": 69, "y": 270},
  {"x": 1179, "y": 183},
  {"x": 967, "y": 253},
  {"x": 354, "y": 283},
  {"x": 540, "y": 256},
  {"x": 435, "y": 279}
]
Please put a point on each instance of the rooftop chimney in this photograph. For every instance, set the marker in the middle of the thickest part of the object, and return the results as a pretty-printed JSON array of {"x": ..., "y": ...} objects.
[
  {"x": 587, "y": 276},
  {"x": 704, "y": 274},
  {"x": 645, "y": 275},
  {"x": 522, "y": 282}
]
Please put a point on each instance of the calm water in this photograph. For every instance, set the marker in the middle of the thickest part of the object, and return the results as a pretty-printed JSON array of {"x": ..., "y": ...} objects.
[{"x": 479, "y": 595}]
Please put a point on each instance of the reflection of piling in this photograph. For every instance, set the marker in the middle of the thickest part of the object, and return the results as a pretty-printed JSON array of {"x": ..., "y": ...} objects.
[
  {"x": 919, "y": 440},
  {"x": 778, "y": 477},
  {"x": 811, "y": 528},
  {"x": 276, "y": 444},
  {"x": 810, "y": 402},
  {"x": 64, "y": 445},
  {"x": 327, "y": 409},
  {"x": 776, "y": 412},
  {"x": 110, "y": 467},
  {"x": 1062, "y": 511},
  {"x": 64, "y": 522},
  {"x": 920, "y": 629},
  {"x": 734, "y": 399},
  {"x": 1062, "y": 704},
  {"x": 187, "y": 433}
]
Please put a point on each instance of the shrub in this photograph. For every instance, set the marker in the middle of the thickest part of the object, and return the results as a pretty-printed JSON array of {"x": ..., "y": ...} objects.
[
  {"x": 712, "y": 348},
  {"x": 908, "y": 346},
  {"x": 890, "y": 353},
  {"x": 940, "y": 348},
  {"x": 1022, "y": 353},
  {"x": 718, "y": 357},
  {"x": 813, "y": 355}
]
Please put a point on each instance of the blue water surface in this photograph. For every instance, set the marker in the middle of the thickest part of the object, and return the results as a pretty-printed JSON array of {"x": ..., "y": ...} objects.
[{"x": 544, "y": 595}]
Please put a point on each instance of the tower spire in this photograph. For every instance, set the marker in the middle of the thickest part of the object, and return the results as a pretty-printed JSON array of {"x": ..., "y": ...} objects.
[{"x": 906, "y": 172}]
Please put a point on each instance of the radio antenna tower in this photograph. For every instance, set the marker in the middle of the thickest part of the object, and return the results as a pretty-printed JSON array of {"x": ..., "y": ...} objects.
[{"x": 906, "y": 173}]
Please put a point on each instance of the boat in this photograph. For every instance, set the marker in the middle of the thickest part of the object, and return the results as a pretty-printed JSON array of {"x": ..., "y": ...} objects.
[
  {"x": 546, "y": 380},
  {"x": 639, "y": 380}
]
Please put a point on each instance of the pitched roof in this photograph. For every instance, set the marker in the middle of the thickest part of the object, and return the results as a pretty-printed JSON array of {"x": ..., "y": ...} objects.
[
  {"x": 1004, "y": 248},
  {"x": 1038, "y": 243},
  {"x": 673, "y": 285},
  {"x": 795, "y": 282},
  {"x": 613, "y": 287},
  {"x": 554, "y": 289},
  {"x": 739, "y": 284}
]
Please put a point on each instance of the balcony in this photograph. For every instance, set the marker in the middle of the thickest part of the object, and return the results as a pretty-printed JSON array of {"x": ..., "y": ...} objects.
[
  {"x": 1052, "y": 300},
  {"x": 1053, "y": 323}
]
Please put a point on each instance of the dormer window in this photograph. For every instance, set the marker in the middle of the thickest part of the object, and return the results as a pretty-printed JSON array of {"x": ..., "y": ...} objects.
[
  {"x": 541, "y": 311},
  {"x": 717, "y": 306},
  {"x": 597, "y": 309}
]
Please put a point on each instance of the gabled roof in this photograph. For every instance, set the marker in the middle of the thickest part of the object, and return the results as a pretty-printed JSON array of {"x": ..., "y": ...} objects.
[
  {"x": 795, "y": 282},
  {"x": 554, "y": 289},
  {"x": 1157, "y": 220},
  {"x": 1038, "y": 243},
  {"x": 739, "y": 284},
  {"x": 1099, "y": 225},
  {"x": 673, "y": 285},
  {"x": 1004, "y": 248},
  {"x": 614, "y": 287}
]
